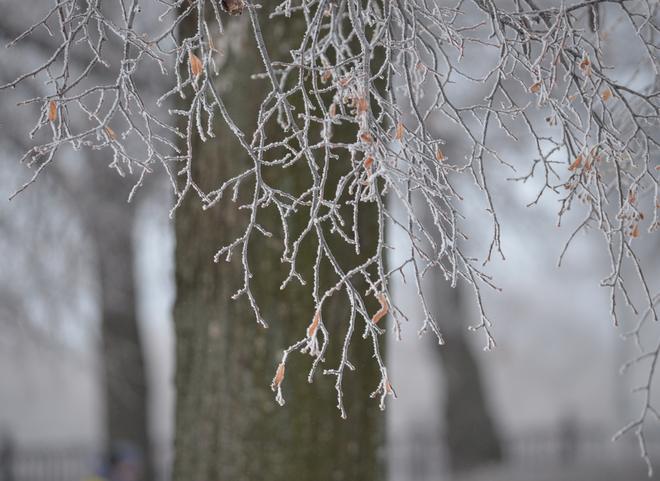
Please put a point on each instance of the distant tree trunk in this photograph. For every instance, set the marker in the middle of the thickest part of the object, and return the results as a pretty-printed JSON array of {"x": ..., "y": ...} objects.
[
  {"x": 228, "y": 426},
  {"x": 470, "y": 433},
  {"x": 111, "y": 221}
]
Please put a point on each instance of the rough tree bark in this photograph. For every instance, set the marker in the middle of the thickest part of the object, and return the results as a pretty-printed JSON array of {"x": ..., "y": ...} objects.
[{"x": 228, "y": 426}]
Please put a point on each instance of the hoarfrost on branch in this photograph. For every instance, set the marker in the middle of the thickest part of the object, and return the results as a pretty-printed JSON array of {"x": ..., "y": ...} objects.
[{"x": 387, "y": 69}]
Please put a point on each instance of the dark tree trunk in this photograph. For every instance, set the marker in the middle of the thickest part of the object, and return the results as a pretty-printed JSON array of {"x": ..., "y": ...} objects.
[
  {"x": 228, "y": 426},
  {"x": 470, "y": 433},
  {"x": 110, "y": 220}
]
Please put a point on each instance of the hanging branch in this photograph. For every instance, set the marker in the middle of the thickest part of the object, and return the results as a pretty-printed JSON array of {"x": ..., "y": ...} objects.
[{"x": 387, "y": 69}]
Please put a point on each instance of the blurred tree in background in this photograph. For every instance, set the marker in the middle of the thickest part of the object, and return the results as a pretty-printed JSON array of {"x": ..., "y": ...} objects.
[{"x": 97, "y": 203}]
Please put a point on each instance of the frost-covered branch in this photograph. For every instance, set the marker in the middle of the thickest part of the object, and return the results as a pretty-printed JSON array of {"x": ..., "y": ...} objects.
[{"x": 389, "y": 71}]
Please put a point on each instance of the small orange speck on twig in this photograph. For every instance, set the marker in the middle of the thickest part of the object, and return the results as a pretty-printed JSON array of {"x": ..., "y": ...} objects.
[
  {"x": 585, "y": 65},
  {"x": 535, "y": 88},
  {"x": 111, "y": 133},
  {"x": 398, "y": 132},
  {"x": 439, "y": 155},
  {"x": 366, "y": 137},
  {"x": 606, "y": 94}
]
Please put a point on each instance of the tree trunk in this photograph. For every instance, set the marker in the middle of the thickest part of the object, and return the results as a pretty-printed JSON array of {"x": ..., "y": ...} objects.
[
  {"x": 111, "y": 220},
  {"x": 470, "y": 434},
  {"x": 228, "y": 426}
]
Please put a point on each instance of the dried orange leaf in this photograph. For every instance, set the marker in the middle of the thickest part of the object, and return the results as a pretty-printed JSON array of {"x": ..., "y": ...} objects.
[
  {"x": 333, "y": 110},
  {"x": 362, "y": 105},
  {"x": 366, "y": 137},
  {"x": 279, "y": 376},
  {"x": 585, "y": 65},
  {"x": 311, "y": 330},
  {"x": 196, "y": 66},
  {"x": 382, "y": 312},
  {"x": 576, "y": 163},
  {"x": 343, "y": 82},
  {"x": 635, "y": 231},
  {"x": 389, "y": 389},
  {"x": 233, "y": 7},
  {"x": 535, "y": 88},
  {"x": 606, "y": 95},
  {"x": 398, "y": 133},
  {"x": 439, "y": 155},
  {"x": 52, "y": 111}
]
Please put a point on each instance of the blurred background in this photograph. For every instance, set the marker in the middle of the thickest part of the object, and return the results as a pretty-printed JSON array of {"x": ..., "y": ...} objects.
[{"x": 87, "y": 345}]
